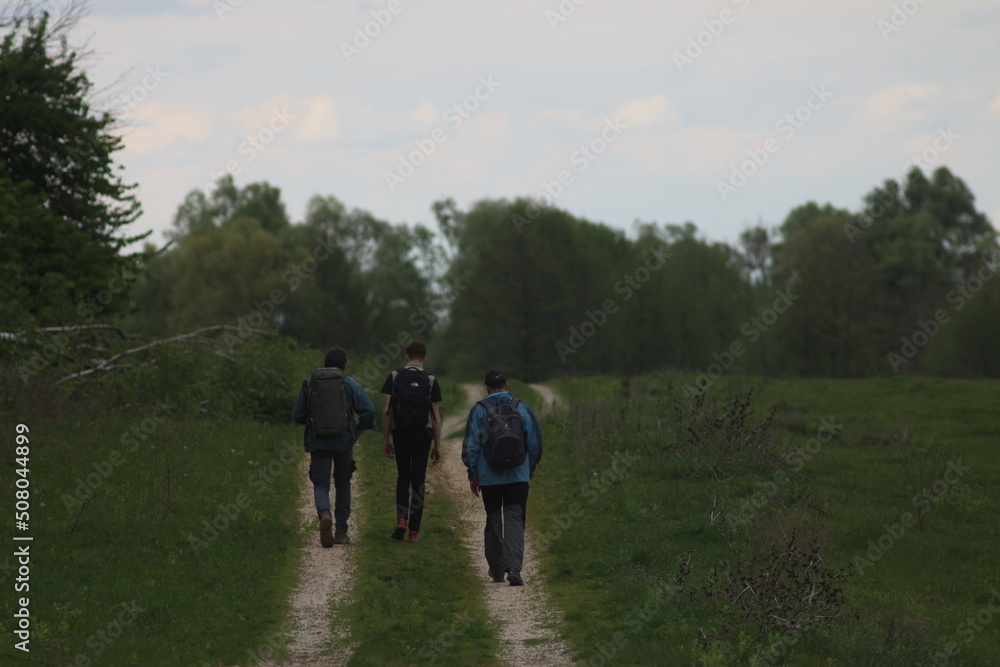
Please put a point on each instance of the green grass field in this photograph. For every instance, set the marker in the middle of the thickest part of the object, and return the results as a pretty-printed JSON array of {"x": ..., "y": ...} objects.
[
  {"x": 172, "y": 549},
  {"x": 667, "y": 532},
  {"x": 648, "y": 512}
]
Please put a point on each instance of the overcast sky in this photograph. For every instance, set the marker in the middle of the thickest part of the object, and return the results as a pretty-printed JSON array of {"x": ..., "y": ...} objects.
[{"x": 722, "y": 113}]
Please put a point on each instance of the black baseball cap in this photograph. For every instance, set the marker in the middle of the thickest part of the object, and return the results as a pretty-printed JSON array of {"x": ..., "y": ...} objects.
[{"x": 495, "y": 379}]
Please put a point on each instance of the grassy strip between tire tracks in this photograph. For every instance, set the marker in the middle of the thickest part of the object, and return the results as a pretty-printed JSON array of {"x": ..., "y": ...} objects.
[{"x": 414, "y": 603}]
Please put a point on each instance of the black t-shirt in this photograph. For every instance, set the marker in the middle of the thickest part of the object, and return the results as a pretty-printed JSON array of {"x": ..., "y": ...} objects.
[{"x": 435, "y": 389}]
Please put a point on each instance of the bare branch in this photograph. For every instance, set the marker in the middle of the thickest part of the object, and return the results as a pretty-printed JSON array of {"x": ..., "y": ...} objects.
[{"x": 197, "y": 336}]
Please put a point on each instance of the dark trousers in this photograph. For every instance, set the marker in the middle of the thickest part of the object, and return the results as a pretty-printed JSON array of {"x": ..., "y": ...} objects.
[
  {"x": 342, "y": 464},
  {"x": 506, "y": 506},
  {"x": 411, "y": 450}
]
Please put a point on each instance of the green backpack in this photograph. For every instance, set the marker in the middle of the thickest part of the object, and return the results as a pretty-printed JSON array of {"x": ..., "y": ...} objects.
[{"x": 329, "y": 409}]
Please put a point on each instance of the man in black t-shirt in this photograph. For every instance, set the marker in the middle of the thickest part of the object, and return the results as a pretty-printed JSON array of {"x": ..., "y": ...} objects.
[{"x": 413, "y": 417}]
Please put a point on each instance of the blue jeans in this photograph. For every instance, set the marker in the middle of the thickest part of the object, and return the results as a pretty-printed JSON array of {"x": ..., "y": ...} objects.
[{"x": 342, "y": 465}]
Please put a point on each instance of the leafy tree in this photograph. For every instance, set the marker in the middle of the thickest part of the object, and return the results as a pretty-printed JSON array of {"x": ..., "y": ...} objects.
[
  {"x": 836, "y": 324},
  {"x": 221, "y": 275},
  {"x": 64, "y": 207},
  {"x": 200, "y": 213},
  {"x": 536, "y": 280},
  {"x": 693, "y": 305},
  {"x": 963, "y": 233}
]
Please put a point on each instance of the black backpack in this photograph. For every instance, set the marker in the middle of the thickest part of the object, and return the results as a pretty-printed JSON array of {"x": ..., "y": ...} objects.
[
  {"x": 411, "y": 399},
  {"x": 329, "y": 409},
  {"x": 504, "y": 445}
]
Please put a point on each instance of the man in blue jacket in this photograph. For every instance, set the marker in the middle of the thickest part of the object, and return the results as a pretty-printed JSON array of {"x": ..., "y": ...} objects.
[
  {"x": 504, "y": 489},
  {"x": 336, "y": 452}
]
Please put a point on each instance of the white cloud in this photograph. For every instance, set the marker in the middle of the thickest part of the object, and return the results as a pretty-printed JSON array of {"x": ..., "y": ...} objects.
[
  {"x": 159, "y": 126},
  {"x": 901, "y": 107},
  {"x": 686, "y": 129},
  {"x": 322, "y": 120},
  {"x": 650, "y": 112}
]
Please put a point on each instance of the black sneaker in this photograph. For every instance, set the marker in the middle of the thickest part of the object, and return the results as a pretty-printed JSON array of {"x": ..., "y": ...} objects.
[
  {"x": 497, "y": 578},
  {"x": 399, "y": 532},
  {"x": 515, "y": 579}
]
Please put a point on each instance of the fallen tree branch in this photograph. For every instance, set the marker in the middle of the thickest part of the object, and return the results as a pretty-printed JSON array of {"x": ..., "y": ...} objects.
[{"x": 109, "y": 364}]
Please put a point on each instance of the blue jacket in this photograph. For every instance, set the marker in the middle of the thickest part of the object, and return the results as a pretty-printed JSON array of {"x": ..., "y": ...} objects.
[
  {"x": 472, "y": 457},
  {"x": 361, "y": 405}
]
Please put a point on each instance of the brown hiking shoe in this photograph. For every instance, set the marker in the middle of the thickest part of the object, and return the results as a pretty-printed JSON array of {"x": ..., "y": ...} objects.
[
  {"x": 400, "y": 530},
  {"x": 326, "y": 530},
  {"x": 340, "y": 537},
  {"x": 414, "y": 536}
]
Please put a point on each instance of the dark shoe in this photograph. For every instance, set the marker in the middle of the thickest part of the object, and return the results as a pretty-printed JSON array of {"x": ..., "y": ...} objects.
[
  {"x": 326, "y": 530},
  {"x": 515, "y": 579},
  {"x": 399, "y": 532},
  {"x": 497, "y": 578},
  {"x": 414, "y": 536},
  {"x": 340, "y": 537}
]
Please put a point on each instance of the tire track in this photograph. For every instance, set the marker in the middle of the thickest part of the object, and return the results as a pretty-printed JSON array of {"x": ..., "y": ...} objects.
[
  {"x": 325, "y": 583},
  {"x": 527, "y": 625}
]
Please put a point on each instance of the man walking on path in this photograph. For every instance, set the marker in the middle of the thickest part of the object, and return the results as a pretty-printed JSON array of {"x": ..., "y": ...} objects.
[
  {"x": 412, "y": 415},
  {"x": 502, "y": 447},
  {"x": 327, "y": 403}
]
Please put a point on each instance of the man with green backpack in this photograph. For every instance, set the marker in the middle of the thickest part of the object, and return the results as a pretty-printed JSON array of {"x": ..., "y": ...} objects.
[{"x": 327, "y": 404}]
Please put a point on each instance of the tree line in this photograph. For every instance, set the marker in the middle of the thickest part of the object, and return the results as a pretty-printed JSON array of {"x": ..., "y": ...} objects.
[{"x": 904, "y": 284}]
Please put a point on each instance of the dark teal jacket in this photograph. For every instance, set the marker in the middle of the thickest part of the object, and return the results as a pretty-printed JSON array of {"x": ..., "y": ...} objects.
[
  {"x": 361, "y": 406},
  {"x": 472, "y": 447}
]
